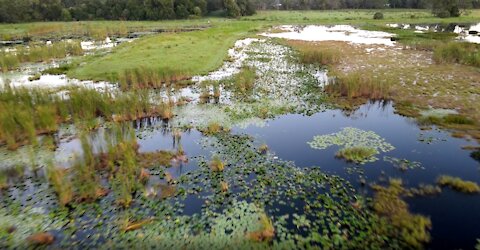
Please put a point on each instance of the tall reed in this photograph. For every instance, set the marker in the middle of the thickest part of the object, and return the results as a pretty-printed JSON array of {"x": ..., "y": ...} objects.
[{"x": 359, "y": 84}]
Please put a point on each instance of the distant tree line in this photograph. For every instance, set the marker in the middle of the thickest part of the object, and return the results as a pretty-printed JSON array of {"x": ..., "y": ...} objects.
[
  {"x": 68, "y": 10},
  {"x": 364, "y": 4}
]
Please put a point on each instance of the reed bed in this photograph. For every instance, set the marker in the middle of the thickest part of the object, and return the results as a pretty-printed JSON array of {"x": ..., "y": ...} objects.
[
  {"x": 359, "y": 84},
  {"x": 38, "y": 53},
  {"x": 29, "y": 112},
  {"x": 143, "y": 77},
  {"x": 456, "y": 52}
]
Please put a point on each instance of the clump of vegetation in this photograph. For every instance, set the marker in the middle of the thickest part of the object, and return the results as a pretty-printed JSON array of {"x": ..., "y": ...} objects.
[
  {"x": 213, "y": 128},
  {"x": 143, "y": 77},
  {"x": 378, "y": 16},
  {"x": 318, "y": 55},
  {"x": 457, "y": 52},
  {"x": 62, "y": 69},
  {"x": 35, "y": 77},
  {"x": 357, "y": 155},
  {"x": 311, "y": 53},
  {"x": 412, "y": 228},
  {"x": 8, "y": 61},
  {"x": 359, "y": 84},
  {"x": 243, "y": 83},
  {"x": 449, "y": 121},
  {"x": 85, "y": 179},
  {"x": 424, "y": 190},
  {"x": 61, "y": 183},
  {"x": 457, "y": 119},
  {"x": 266, "y": 232},
  {"x": 458, "y": 184},
  {"x": 216, "y": 164},
  {"x": 263, "y": 149}
]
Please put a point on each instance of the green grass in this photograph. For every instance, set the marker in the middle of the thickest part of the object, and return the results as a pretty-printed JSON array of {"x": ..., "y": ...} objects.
[
  {"x": 190, "y": 53},
  {"x": 458, "y": 184}
]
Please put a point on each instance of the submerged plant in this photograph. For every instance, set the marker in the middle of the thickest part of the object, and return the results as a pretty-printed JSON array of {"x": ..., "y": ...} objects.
[
  {"x": 458, "y": 184},
  {"x": 402, "y": 164}
]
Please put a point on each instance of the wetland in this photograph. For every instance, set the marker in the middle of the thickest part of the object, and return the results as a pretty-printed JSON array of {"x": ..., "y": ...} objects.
[{"x": 281, "y": 130}]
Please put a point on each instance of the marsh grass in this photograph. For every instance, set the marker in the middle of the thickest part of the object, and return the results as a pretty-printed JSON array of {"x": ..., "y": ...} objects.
[
  {"x": 37, "y": 111},
  {"x": 242, "y": 84},
  {"x": 39, "y": 53},
  {"x": 359, "y": 84},
  {"x": 143, "y": 77},
  {"x": 61, "y": 183},
  {"x": 311, "y": 53},
  {"x": 458, "y": 184},
  {"x": 412, "y": 228},
  {"x": 62, "y": 69},
  {"x": 8, "y": 61},
  {"x": 85, "y": 178},
  {"x": 450, "y": 121},
  {"x": 457, "y": 52},
  {"x": 356, "y": 154}
]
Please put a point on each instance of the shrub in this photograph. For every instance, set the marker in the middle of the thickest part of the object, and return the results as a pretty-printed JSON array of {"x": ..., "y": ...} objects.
[{"x": 378, "y": 16}]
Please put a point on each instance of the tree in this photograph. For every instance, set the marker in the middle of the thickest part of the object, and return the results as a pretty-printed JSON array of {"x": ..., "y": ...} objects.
[
  {"x": 232, "y": 8},
  {"x": 446, "y": 8}
]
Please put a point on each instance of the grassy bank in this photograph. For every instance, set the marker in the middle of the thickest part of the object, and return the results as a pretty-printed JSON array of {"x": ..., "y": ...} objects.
[{"x": 189, "y": 53}]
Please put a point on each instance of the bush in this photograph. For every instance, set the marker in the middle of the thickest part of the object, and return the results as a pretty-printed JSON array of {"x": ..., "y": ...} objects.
[{"x": 378, "y": 16}]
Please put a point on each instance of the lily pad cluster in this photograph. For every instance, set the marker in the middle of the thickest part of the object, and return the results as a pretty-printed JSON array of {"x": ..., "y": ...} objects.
[{"x": 349, "y": 138}]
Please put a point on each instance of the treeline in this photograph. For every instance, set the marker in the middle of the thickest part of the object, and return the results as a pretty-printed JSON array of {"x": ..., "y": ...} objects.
[
  {"x": 69, "y": 10},
  {"x": 364, "y": 4}
]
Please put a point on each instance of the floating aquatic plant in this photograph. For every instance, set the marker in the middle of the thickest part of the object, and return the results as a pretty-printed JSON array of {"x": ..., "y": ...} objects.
[
  {"x": 402, "y": 164},
  {"x": 349, "y": 138}
]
